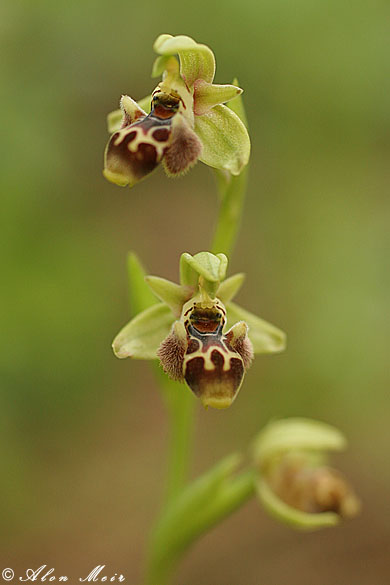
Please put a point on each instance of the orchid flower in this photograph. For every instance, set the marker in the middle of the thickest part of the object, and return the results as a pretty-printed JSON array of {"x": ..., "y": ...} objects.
[
  {"x": 186, "y": 330},
  {"x": 183, "y": 120}
]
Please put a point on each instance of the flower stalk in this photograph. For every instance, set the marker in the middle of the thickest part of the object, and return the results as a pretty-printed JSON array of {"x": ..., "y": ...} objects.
[
  {"x": 180, "y": 407},
  {"x": 232, "y": 194}
]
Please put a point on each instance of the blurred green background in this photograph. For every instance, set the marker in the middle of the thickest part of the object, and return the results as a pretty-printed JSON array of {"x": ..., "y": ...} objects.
[{"x": 83, "y": 435}]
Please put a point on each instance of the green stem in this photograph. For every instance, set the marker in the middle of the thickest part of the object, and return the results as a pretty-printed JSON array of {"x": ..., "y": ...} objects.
[
  {"x": 180, "y": 404},
  {"x": 232, "y": 190},
  {"x": 232, "y": 193}
]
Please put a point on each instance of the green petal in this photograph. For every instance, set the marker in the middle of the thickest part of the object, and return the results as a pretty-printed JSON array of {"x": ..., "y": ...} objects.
[
  {"x": 114, "y": 119},
  {"x": 266, "y": 338},
  {"x": 142, "y": 337},
  {"x": 131, "y": 110},
  {"x": 172, "y": 294},
  {"x": 140, "y": 295},
  {"x": 225, "y": 140},
  {"x": 285, "y": 513},
  {"x": 207, "y": 95},
  {"x": 296, "y": 434},
  {"x": 230, "y": 287},
  {"x": 196, "y": 60}
]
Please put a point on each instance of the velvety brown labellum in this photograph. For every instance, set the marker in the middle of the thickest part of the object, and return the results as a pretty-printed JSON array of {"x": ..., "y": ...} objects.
[
  {"x": 211, "y": 362},
  {"x": 211, "y": 367},
  {"x": 136, "y": 149}
]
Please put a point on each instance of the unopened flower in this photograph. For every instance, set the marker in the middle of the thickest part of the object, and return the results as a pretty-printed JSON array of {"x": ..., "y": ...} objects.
[
  {"x": 313, "y": 489},
  {"x": 199, "y": 335},
  {"x": 187, "y": 120},
  {"x": 295, "y": 483}
]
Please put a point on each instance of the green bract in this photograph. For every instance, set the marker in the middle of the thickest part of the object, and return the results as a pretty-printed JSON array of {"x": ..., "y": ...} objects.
[{"x": 183, "y": 120}]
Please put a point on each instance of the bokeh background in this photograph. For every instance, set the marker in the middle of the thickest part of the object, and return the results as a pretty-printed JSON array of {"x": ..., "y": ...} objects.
[{"x": 83, "y": 436}]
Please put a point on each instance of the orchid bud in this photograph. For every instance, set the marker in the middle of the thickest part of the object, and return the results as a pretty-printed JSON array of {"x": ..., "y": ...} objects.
[{"x": 295, "y": 484}]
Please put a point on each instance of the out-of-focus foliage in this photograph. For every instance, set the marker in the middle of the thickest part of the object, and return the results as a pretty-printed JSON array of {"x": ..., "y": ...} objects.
[{"x": 76, "y": 425}]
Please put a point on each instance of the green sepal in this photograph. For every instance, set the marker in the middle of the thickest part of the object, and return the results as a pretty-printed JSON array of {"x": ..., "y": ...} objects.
[
  {"x": 229, "y": 288},
  {"x": 289, "y": 515},
  {"x": 225, "y": 139},
  {"x": 296, "y": 434},
  {"x": 211, "y": 267},
  {"x": 188, "y": 276},
  {"x": 165, "y": 64},
  {"x": 265, "y": 338},
  {"x": 172, "y": 294},
  {"x": 159, "y": 65},
  {"x": 140, "y": 295},
  {"x": 143, "y": 335},
  {"x": 237, "y": 105},
  {"x": 196, "y": 60},
  {"x": 207, "y": 95}
]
